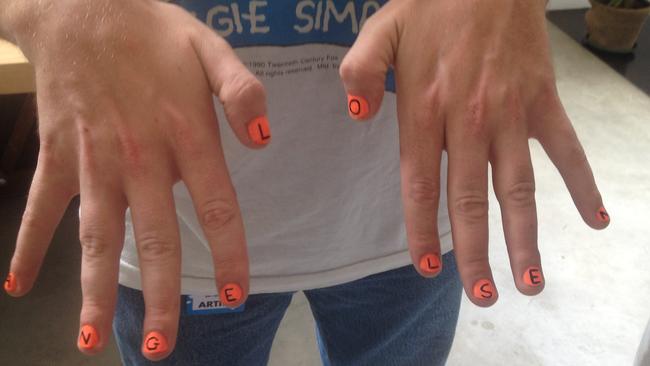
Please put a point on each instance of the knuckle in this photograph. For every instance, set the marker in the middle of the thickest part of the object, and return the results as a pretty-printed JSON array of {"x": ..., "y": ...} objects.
[
  {"x": 514, "y": 111},
  {"x": 216, "y": 214},
  {"x": 548, "y": 89},
  {"x": 31, "y": 221},
  {"x": 348, "y": 69},
  {"x": 355, "y": 71},
  {"x": 93, "y": 245},
  {"x": 424, "y": 234},
  {"x": 235, "y": 266},
  {"x": 521, "y": 194},
  {"x": 243, "y": 88},
  {"x": 53, "y": 158},
  {"x": 428, "y": 115},
  {"x": 370, "y": 23},
  {"x": 477, "y": 263},
  {"x": 48, "y": 145},
  {"x": 187, "y": 141},
  {"x": 545, "y": 96},
  {"x": 131, "y": 153},
  {"x": 477, "y": 117},
  {"x": 153, "y": 246},
  {"x": 424, "y": 192},
  {"x": 161, "y": 309},
  {"x": 472, "y": 207},
  {"x": 576, "y": 155},
  {"x": 94, "y": 306},
  {"x": 432, "y": 97}
]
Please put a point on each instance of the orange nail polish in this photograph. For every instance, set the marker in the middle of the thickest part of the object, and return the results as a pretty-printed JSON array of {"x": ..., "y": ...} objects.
[
  {"x": 602, "y": 215},
  {"x": 483, "y": 289},
  {"x": 358, "y": 107},
  {"x": 88, "y": 337},
  {"x": 533, "y": 277},
  {"x": 154, "y": 343},
  {"x": 10, "y": 283},
  {"x": 259, "y": 130},
  {"x": 430, "y": 264},
  {"x": 230, "y": 294}
]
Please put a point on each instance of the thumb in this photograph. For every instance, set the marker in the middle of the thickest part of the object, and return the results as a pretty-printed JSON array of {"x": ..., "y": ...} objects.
[
  {"x": 242, "y": 95},
  {"x": 364, "y": 68}
]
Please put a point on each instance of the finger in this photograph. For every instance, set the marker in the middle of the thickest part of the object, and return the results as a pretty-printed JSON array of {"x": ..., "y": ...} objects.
[
  {"x": 242, "y": 95},
  {"x": 49, "y": 197},
  {"x": 363, "y": 70},
  {"x": 203, "y": 169},
  {"x": 468, "y": 207},
  {"x": 158, "y": 242},
  {"x": 563, "y": 148},
  {"x": 101, "y": 233},
  {"x": 514, "y": 185},
  {"x": 421, "y": 135}
]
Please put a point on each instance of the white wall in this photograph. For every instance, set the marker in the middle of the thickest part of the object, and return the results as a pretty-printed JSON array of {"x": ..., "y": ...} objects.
[{"x": 568, "y": 4}]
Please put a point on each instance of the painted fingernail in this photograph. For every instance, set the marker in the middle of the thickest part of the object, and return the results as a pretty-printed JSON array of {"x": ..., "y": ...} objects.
[
  {"x": 602, "y": 215},
  {"x": 154, "y": 343},
  {"x": 88, "y": 337},
  {"x": 533, "y": 277},
  {"x": 483, "y": 289},
  {"x": 259, "y": 130},
  {"x": 430, "y": 264},
  {"x": 358, "y": 107},
  {"x": 10, "y": 283},
  {"x": 230, "y": 294}
]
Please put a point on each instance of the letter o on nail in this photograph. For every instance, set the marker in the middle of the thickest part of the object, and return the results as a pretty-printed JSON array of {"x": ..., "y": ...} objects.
[{"x": 355, "y": 106}]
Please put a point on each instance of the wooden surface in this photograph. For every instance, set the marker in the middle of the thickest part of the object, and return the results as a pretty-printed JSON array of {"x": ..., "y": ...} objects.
[{"x": 16, "y": 74}]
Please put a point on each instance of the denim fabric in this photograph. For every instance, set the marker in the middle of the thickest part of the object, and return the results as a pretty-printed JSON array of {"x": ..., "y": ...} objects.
[{"x": 391, "y": 318}]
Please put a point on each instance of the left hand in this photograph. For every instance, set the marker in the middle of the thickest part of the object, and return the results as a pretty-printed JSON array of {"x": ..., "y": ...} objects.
[{"x": 474, "y": 78}]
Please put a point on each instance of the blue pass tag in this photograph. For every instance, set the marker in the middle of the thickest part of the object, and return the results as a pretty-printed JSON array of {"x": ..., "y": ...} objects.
[{"x": 207, "y": 304}]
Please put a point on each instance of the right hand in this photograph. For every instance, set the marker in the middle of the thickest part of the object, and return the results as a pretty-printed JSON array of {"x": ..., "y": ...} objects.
[{"x": 125, "y": 106}]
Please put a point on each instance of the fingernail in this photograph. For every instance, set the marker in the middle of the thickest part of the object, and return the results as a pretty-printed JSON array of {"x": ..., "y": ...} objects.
[
  {"x": 430, "y": 264},
  {"x": 533, "y": 277},
  {"x": 88, "y": 337},
  {"x": 230, "y": 294},
  {"x": 483, "y": 289},
  {"x": 358, "y": 107},
  {"x": 10, "y": 283},
  {"x": 154, "y": 343},
  {"x": 259, "y": 130},
  {"x": 602, "y": 215}
]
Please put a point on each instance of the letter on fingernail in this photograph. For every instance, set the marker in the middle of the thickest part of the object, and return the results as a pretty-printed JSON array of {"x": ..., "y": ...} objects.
[
  {"x": 533, "y": 277},
  {"x": 10, "y": 283},
  {"x": 602, "y": 215},
  {"x": 154, "y": 343},
  {"x": 358, "y": 107},
  {"x": 259, "y": 130},
  {"x": 430, "y": 264},
  {"x": 483, "y": 289},
  {"x": 230, "y": 294},
  {"x": 88, "y": 337}
]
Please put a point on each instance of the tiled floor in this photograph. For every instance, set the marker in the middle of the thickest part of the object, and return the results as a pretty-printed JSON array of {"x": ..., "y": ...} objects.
[{"x": 595, "y": 304}]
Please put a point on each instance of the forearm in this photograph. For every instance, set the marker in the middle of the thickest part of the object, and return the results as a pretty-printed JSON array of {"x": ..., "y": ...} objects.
[{"x": 14, "y": 16}]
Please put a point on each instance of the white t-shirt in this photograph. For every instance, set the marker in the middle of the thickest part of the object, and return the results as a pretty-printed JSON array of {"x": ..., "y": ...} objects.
[{"x": 321, "y": 204}]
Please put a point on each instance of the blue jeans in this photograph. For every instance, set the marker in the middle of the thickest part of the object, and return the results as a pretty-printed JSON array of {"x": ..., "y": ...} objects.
[{"x": 391, "y": 318}]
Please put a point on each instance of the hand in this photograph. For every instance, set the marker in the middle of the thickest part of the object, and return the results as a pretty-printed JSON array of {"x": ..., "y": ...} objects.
[
  {"x": 474, "y": 78},
  {"x": 126, "y": 111}
]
